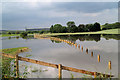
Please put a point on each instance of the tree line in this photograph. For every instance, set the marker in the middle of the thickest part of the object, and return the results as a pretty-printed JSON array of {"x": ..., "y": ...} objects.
[
  {"x": 71, "y": 27},
  {"x": 111, "y": 26}
]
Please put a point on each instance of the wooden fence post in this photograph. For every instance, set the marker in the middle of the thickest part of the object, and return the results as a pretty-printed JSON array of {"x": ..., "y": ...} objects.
[
  {"x": 82, "y": 48},
  {"x": 60, "y": 71},
  {"x": 95, "y": 74},
  {"x": 91, "y": 54},
  {"x": 75, "y": 45},
  {"x": 87, "y": 50},
  {"x": 79, "y": 46},
  {"x": 98, "y": 58},
  {"x": 109, "y": 65},
  {"x": 59, "y": 67},
  {"x": 16, "y": 66}
]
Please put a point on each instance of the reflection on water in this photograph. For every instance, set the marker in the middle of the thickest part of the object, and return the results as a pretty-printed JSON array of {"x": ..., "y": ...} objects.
[
  {"x": 62, "y": 53},
  {"x": 85, "y": 37},
  {"x": 82, "y": 37},
  {"x": 90, "y": 37}
]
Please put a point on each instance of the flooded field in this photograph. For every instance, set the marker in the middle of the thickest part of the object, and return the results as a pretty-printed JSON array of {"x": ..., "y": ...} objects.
[{"x": 59, "y": 52}]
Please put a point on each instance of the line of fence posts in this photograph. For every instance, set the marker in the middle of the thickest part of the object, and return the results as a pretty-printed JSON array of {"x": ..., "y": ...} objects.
[
  {"x": 60, "y": 67},
  {"x": 109, "y": 63},
  {"x": 16, "y": 66}
]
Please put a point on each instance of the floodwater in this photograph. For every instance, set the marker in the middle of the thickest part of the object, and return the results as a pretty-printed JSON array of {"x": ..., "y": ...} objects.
[{"x": 62, "y": 53}]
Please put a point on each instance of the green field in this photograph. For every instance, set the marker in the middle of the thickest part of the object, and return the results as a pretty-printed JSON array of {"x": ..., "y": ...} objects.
[
  {"x": 111, "y": 31},
  {"x": 8, "y": 35}
]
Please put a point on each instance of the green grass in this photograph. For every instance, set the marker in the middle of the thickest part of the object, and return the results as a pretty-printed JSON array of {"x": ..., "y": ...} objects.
[
  {"x": 7, "y": 35},
  {"x": 12, "y": 51},
  {"x": 110, "y": 31},
  {"x": 6, "y": 62}
]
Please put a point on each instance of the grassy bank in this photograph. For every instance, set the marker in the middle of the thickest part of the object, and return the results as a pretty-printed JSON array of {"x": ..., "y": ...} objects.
[
  {"x": 111, "y": 31},
  {"x": 8, "y": 35},
  {"x": 6, "y": 62},
  {"x": 14, "y": 51}
]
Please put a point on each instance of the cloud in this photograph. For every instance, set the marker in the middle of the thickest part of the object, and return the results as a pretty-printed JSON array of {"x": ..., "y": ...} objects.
[
  {"x": 0, "y": 16},
  {"x": 21, "y": 15},
  {"x": 89, "y": 7},
  {"x": 60, "y": 0}
]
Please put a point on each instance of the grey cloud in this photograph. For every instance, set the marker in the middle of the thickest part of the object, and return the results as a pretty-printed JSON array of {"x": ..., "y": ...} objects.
[
  {"x": 20, "y": 15},
  {"x": 87, "y": 7}
]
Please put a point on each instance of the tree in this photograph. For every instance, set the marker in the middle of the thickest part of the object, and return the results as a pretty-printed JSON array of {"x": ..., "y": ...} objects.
[
  {"x": 73, "y": 28},
  {"x": 106, "y": 23},
  {"x": 97, "y": 27},
  {"x": 57, "y": 28},
  {"x": 23, "y": 34},
  {"x": 90, "y": 27},
  {"x": 17, "y": 32},
  {"x": 41, "y": 32},
  {"x": 8, "y": 32},
  {"x": 64, "y": 29},
  {"x": 69, "y": 25},
  {"x": 81, "y": 28},
  {"x": 93, "y": 27},
  {"x": 111, "y": 26},
  {"x": 51, "y": 29}
]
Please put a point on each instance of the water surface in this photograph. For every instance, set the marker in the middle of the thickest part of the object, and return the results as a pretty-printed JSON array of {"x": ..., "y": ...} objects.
[{"x": 62, "y": 53}]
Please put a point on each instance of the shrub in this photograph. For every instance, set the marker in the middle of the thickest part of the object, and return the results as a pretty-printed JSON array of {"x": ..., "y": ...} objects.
[
  {"x": 17, "y": 32},
  {"x": 8, "y": 32},
  {"x": 24, "y": 34}
]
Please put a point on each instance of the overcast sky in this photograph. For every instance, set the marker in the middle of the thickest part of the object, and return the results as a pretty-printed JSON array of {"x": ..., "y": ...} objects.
[{"x": 18, "y": 15}]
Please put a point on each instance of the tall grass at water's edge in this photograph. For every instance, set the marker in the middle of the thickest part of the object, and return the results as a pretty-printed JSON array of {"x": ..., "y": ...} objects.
[{"x": 6, "y": 62}]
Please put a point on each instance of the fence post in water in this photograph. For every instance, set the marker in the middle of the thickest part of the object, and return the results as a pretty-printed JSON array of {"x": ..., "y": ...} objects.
[
  {"x": 87, "y": 50},
  {"x": 75, "y": 45},
  {"x": 109, "y": 65},
  {"x": 91, "y": 54},
  {"x": 98, "y": 58},
  {"x": 82, "y": 48},
  {"x": 95, "y": 74},
  {"x": 60, "y": 71},
  {"x": 79, "y": 46},
  {"x": 16, "y": 66}
]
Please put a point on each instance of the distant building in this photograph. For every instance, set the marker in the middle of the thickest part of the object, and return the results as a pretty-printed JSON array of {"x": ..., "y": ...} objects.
[{"x": 38, "y": 29}]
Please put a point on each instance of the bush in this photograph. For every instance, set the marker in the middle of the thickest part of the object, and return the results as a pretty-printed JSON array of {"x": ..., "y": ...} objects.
[
  {"x": 17, "y": 32},
  {"x": 8, "y": 32},
  {"x": 41, "y": 32},
  {"x": 12, "y": 32},
  {"x": 24, "y": 34},
  {"x": 111, "y": 26}
]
